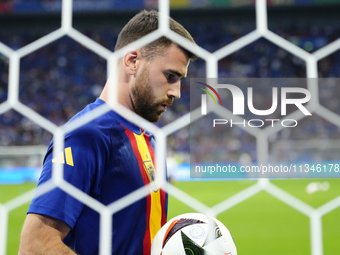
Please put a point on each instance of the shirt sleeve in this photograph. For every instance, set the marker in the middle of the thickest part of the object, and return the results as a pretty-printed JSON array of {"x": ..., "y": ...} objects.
[{"x": 84, "y": 155}]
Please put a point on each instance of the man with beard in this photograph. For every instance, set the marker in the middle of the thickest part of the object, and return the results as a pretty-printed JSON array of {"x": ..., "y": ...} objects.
[{"x": 110, "y": 157}]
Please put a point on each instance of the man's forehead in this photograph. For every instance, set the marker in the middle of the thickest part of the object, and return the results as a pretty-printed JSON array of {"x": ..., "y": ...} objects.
[{"x": 176, "y": 56}]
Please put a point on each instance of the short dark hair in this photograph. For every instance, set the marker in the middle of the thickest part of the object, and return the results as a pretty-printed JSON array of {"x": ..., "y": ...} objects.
[{"x": 144, "y": 23}]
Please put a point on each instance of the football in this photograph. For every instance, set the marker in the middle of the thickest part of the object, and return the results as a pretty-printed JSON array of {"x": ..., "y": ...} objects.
[{"x": 194, "y": 234}]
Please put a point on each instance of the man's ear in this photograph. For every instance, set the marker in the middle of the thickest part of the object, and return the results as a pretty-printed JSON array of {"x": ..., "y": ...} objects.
[{"x": 131, "y": 61}]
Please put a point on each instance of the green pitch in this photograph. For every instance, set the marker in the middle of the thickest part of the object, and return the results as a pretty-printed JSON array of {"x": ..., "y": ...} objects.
[
  {"x": 17, "y": 216},
  {"x": 260, "y": 225}
]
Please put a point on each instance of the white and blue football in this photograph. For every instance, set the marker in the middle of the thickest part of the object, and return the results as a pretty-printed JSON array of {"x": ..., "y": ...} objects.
[{"x": 194, "y": 234}]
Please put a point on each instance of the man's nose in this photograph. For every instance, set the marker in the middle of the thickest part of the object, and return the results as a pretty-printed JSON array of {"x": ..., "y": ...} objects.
[{"x": 175, "y": 90}]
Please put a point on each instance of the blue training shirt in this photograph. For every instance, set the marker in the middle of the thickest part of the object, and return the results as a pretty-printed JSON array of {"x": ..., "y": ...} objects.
[{"x": 107, "y": 159}]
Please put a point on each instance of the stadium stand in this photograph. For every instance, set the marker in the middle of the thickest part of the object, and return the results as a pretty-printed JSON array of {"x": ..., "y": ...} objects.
[
  {"x": 60, "y": 79},
  {"x": 75, "y": 73}
]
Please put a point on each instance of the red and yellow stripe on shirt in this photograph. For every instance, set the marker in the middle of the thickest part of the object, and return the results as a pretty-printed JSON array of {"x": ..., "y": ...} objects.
[{"x": 155, "y": 215}]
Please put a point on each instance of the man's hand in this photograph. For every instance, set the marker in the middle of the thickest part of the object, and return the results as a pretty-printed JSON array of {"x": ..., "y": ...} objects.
[{"x": 43, "y": 235}]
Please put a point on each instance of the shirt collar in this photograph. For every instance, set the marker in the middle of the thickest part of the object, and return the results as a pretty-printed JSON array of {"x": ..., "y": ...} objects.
[{"x": 134, "y": 128}]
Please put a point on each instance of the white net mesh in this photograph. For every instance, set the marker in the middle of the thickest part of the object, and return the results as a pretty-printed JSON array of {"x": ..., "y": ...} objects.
[{"x": 161, "y": 134}]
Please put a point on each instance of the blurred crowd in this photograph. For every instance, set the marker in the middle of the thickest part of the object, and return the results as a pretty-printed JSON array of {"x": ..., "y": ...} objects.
[{"x": 61, "y": 78}]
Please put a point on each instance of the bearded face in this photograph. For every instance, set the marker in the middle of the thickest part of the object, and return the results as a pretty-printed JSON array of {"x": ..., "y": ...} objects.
[
  {"x": 157, "y": 82},
  {"x": 144, "y": 100}
]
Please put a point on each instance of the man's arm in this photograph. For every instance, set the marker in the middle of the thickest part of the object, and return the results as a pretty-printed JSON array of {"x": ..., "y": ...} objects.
[{"x": 43, "y": 235}]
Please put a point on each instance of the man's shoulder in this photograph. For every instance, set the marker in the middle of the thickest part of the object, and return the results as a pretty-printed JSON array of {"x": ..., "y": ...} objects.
[
  {"x": 95, "y": 128},
  {"x": 108, "y": 124}
]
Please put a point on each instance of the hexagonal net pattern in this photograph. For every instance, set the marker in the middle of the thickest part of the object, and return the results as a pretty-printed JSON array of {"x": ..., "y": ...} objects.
[{"x": 161, "y": 133}]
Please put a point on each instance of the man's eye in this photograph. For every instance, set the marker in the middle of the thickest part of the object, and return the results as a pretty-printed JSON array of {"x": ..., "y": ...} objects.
[{"x": 171, "y": 78}]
